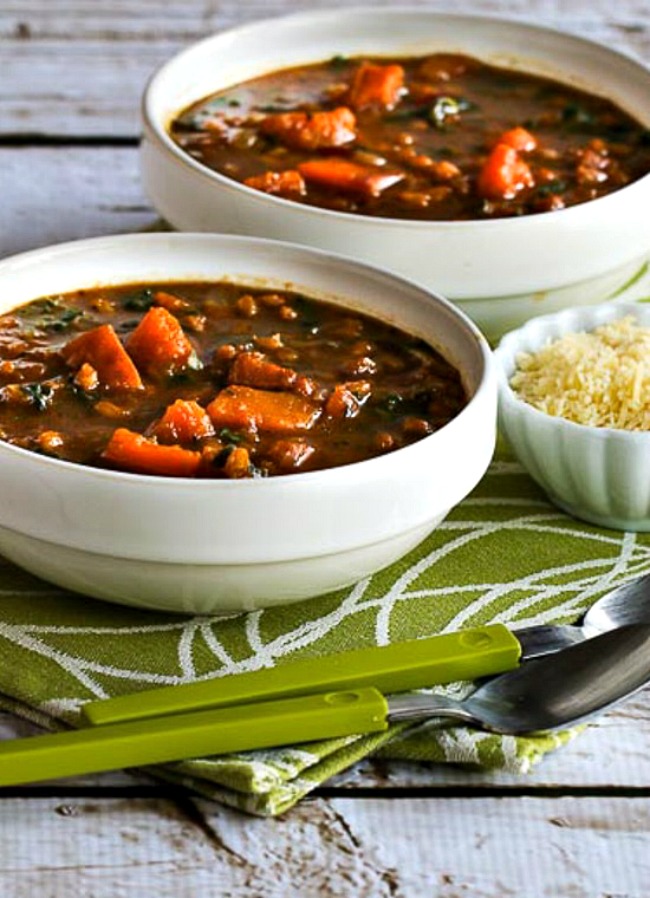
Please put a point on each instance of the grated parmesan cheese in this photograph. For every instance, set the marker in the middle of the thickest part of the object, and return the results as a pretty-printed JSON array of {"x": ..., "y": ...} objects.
[{"x": 600, "y": 378}]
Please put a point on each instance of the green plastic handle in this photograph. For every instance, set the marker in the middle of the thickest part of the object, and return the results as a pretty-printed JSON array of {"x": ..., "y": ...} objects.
[
  {"x": 200, "y": 733},
  {"x": 462, "y": 655}
]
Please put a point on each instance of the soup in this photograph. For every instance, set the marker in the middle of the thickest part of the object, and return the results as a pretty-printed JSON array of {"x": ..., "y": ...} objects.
[
  {"x": 444, "y": 137},
  {"x": 214, "y": 380}
]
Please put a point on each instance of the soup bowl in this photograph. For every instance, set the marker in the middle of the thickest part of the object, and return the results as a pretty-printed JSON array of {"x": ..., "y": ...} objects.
[
  {"x": 501, "y": 271},
  {"x": 213, "y": 546}
]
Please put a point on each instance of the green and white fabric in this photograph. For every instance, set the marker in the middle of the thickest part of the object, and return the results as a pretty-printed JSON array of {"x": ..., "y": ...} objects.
[{"x": 505, "y": 554}]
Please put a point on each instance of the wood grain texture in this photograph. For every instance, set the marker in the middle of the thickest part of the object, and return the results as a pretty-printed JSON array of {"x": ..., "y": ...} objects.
[
  {"x": 377, "y": 848},
  {"x": 486, "y": 848},
  {"x": 116, "y": 20},
  {"x": 77, "y": 192}
]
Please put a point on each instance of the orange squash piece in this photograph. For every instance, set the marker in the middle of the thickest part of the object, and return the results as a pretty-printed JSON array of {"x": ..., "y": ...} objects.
[
  {"x": 253, "y": 369},
  {"x": 312, "y": 130},
  {"x": 291, "y": 454},
  {"x": 101, "y": 349},
  {"x": 350, "y": 177},
  {"x": 376, "y": 85},
  {"x": 519, "y": 139},
  {"x": 183, "y": 421},
  {"x": 133, "y": 452},
  {"x": 170, "y": 302},
  {"x": 158, "y": 345},
  {"x": 504, "y": 174},
  {"x": 238, "y": 464},
  {"x": 241, "y": 407},
  {"x": 346, "y": 400},
  {"x": 278, "y": 183}
]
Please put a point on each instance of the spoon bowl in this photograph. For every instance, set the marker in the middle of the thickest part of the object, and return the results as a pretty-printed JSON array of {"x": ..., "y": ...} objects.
[
  {"x": 548, "y": 693},
  {"x": 626, "y": 605}
]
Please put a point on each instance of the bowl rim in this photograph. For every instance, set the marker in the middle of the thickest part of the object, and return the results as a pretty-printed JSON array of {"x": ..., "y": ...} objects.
[
  {"x": 154, "y": 128},
  {"x": 509, "y": 347},
  {"x": 308, "y": 478}
]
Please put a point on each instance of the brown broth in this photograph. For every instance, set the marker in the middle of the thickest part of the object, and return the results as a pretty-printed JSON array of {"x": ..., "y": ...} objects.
[
  {"x": 436, "y": 138},
  {"x": 324, "y": 386}
]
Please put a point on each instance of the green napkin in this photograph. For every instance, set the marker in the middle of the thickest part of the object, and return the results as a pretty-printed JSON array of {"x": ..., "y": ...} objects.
[{"x": 504, "y": 554}]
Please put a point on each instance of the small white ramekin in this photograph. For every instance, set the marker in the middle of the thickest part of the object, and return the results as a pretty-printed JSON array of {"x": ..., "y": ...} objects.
[{"x": 601, "y": 475}]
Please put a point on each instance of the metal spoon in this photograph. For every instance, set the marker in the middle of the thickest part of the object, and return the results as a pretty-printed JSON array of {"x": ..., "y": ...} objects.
[
  {"x": 627, "y": 604},
  {"x": 548, "y": 693}
]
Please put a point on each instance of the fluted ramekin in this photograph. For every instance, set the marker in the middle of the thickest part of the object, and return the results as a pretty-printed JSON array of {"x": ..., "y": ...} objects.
[{"x": 598, "y": 474}]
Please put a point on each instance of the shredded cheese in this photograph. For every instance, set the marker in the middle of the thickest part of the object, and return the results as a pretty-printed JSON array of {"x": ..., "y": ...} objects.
[{"x": 600, "y": 378}]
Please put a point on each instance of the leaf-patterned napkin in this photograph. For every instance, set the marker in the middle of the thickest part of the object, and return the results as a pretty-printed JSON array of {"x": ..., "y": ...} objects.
[{"x": 504, "y": 554}]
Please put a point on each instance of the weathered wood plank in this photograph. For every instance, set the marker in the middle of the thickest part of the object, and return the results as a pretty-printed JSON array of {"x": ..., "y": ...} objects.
[
  {"x": 81, "y": 20},
  {"x": 67, "y": 89},
  {"x": 583, "y": 848},
  {"x": 76, "y": 20},
  {"x": 81, "y": 72},
  {"x": 118, "y": 847},
  {"x": 377, "y": 848},
  {"x": 124, "y": 848},
  {"x": 54, "y": 194}
]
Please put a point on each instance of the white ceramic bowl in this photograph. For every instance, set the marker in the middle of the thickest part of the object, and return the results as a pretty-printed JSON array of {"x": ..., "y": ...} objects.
[
  {"x": 601, "y": 475},
  {"x": 500, "y": 272},
  {"x": 211, "y": 546}
]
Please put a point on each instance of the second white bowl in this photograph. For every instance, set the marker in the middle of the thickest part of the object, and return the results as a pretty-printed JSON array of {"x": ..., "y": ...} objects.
[{"x": 501, "y": 272}]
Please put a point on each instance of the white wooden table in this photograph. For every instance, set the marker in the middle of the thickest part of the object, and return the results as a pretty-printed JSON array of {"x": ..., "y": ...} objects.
[{"x": 71, "y": 72}]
